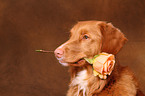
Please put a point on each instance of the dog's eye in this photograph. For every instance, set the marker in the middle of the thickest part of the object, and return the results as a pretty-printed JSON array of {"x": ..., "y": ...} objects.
[{"x": 85, "y": 37}]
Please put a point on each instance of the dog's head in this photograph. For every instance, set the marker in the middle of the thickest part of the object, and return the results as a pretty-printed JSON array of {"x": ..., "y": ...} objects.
[{"x": 89, "y": 38}]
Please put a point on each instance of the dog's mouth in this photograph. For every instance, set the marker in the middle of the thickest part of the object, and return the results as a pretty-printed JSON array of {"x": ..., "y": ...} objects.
[{"x": 79, "y": 62}]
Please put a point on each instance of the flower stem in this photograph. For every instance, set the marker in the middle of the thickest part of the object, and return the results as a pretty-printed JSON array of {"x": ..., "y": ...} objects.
[{"x": 43, "y": 51}]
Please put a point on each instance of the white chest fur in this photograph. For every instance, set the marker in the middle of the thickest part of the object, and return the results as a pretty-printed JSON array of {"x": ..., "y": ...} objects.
[{"x": 81, "y": 81}]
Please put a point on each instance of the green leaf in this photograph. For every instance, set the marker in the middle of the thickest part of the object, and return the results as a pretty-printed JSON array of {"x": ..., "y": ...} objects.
[
  {"x": 89, "y": 60},
  {"x": 95, "y": 56}
]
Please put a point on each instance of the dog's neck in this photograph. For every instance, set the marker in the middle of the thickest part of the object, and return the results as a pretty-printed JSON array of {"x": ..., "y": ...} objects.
[{"x": 85, "y": 80}]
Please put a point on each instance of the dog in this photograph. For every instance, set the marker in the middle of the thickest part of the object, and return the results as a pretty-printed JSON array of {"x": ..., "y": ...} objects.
[{"x": 87, "y": 39}]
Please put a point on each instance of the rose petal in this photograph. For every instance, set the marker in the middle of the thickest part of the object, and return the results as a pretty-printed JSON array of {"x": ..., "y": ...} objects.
[
  {"x": 98, "y": 66},
  {"x": 105, "y": 67}
]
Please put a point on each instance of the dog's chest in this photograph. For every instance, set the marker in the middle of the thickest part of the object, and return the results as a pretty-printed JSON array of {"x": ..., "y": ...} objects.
[{"x": 81, "y": 81}]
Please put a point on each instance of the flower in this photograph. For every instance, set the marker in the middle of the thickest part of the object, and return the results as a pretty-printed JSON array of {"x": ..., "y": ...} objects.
[{"x": 103, "y": 64}]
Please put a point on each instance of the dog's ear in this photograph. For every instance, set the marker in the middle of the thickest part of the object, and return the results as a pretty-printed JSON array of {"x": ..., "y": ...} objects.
[{"x": 112, "y": 38}]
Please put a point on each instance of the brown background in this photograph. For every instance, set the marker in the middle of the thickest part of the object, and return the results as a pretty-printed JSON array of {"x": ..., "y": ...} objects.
[{"x": 26, "y": 25}]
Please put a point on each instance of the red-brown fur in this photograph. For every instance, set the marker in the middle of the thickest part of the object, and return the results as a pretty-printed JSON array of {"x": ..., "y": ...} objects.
[{"x": 103, "y": 37}]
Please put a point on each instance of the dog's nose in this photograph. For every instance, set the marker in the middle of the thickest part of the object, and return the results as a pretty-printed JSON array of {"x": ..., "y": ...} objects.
[{"x": 58, "y": 52}]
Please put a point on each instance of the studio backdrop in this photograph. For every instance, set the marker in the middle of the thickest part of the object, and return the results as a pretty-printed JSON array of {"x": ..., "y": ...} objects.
[{"x": 27, "y": 25}]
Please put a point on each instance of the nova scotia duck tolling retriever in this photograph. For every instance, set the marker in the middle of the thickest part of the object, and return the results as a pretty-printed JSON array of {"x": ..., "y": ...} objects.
[{"x": 97, "y": 42}]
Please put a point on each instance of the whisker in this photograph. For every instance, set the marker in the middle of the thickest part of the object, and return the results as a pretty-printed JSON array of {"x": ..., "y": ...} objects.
[{"x": 43, "y": 51}]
